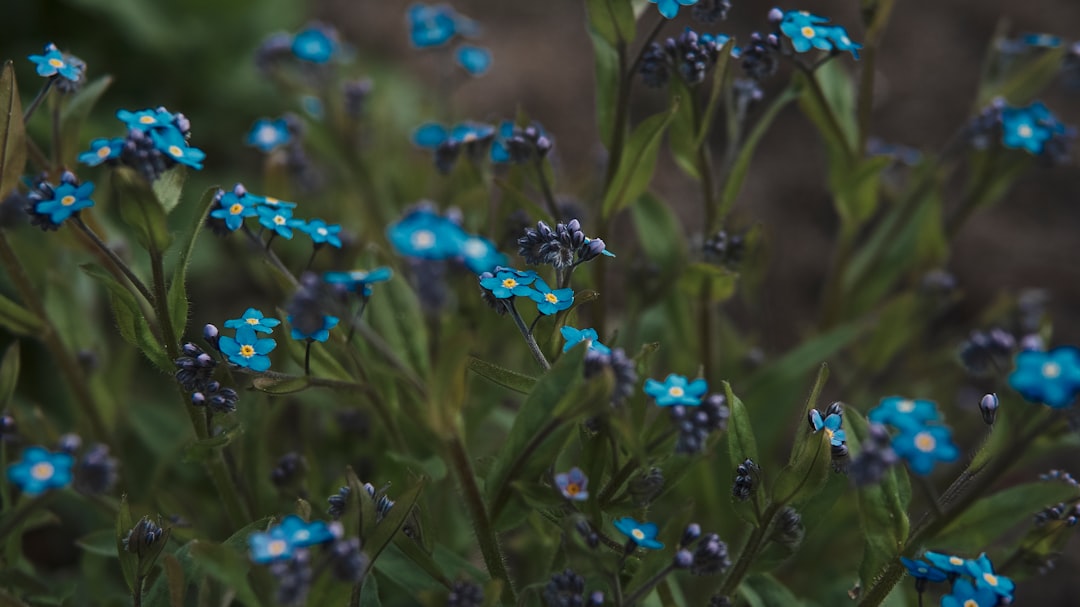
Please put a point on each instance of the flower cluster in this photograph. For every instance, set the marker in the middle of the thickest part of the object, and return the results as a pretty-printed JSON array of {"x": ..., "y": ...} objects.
[
  {"x": 701, "y": 554},
  {"x": 338, "y": 502},
  {"x": 743, "y": 486},
  {"x": 157, "y": 140},
  {"x": 507, "y": 143},
  {"x": 284, "y": 547},
  {"x": 195, "y": 372},
  {"x": 246, "y": 349},
  {"x": 695, "y": 424},
  {"x": 876, "y": 456},
  {"x": 806, "y": 31},
  {"x": 50, "y": 205},
  {"x": 567, "y": 589},
  {"x": 725, "y": 248},
  {"x": 279, "y": 542},
  {"x": 1035, "y": 129},
  {"x": 921, "y": 440},
  {"x": 309, "y": 311},
  {"x": 276, "y": 216},
  {"x": 67, "y": 72},
  {"x": 507, "y": 283},
  {"x": 974, "y": 583},
  {"x": 563, "y": 247},
  {"x": 425, "y": 234},
  {"x": 987, "y": 352},
  {"x": 1051, "y": 378},
  {"x": 622, "y": 369},
  {"x": 358, "y": 281},
  {"x": 690, "y": 55}
]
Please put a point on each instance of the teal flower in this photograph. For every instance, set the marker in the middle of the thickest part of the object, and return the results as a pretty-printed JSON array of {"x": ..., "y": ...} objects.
[
  {"x": 232, "y": 209},
  {"x": 574, "y": 337},
  {"x": 985, "y": 579},
  {"x": 358, "y": 281},
  {"x": 425, "y": 234},
  {"x": 269, "y": 201},
  {"x": 670, "y": 8},
  {"x": 247, "y": 349},
  {"x": 948, "y": 563},
  {"x": 145, "y": 120},
  {"x": 508, "y": 282},
  {"x": 473, "y": 59},
  {"x": 101, "y": 150},
  {"x": 965, "y": 595},
  {"x": 39, "y": 470},
  {"x": 301, "y": 534},
  {"x": 921, "y": 570},
  {"x": 573, "y": 484},
  {"x": 806, "y": 31},
  {"x": 1051, "y": 377},
  {"x": 924, "y": 446},
  {"x": 480, "y": 254},
  {"x": 169, "y": 141},
  {"x": 676, "y": 390},
  {"x": 321, "y": 334},
  {"x": 830, "y": 424},
  {"x": 314, "y": 44},
  {"x": 322, "y": 233},
  {"x": 903, "y": 412},
  {"x": 268, "y": 135},
  {"x": 66, "y": 199},
  {"x": 433, "y": 26},
  {"x": 642, "y": 534},
  {"x": 1027, "y": 128},
  {"x": 54, "y": 63},
  {"x": 430, "y": 135},
  {"x": 278, "y": 220},
  {"x": 269, "y": 547},
  {"x": 253, "y": 318},
  {"x": 549, "y": 301}
]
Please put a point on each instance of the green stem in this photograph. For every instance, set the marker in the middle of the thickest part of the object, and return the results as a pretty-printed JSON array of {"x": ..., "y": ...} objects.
[
  {"x": 757, "y": 540},
  {"x": 50, "y": 336},
  {"x": 38, "y": 99},
  {"x": 57, "y": 152},
  {"x": 111, "y": 255},
  {"x": 534, "y": 349},
  {"x": 830, "y": 115},
  {"x": 485, "y": 534},
  {"x": 644, "y": 589},
  {"x": 502, "y": 495},
  {"x": 136, "y": 593},
  {"x": 545, "y": 187}
]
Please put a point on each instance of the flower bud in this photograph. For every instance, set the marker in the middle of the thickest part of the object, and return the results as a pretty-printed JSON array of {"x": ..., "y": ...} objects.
[
  {"x": 989, "y": 406},
  {"x": 683, "y": 559}
]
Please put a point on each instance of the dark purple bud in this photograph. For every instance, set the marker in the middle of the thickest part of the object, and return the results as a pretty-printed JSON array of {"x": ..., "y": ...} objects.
[
  {"x": 692, "y": 532},
  {"x": 211, "y": 334},
  {"x": 683, "y": 559},
  {"x": 69, "y": 443},
  {"x": 989, "y": 406},
  {"x": 776, "y": 16}
]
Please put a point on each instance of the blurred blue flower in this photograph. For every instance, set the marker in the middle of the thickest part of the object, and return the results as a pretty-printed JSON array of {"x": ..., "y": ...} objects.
[
  {"x": 508, "y": 282},
  {"x": 430, "y": 135},
  {"x": 39, "y": 470},
  {"x": 1050, "y": 377},
  {"x": 278, "y": 220},
  {"x": 145, "y": 120},
  {"x": 924, "y": 446},
  {"x": 171, "y": 142},
  {"x": 480, "y": 254},
  {"x": 469, "y": 132},
  {"x": 322, "y": 232},
  {"x": 1030, "y": 127},
  {"x": 426, "y": 234},
  {"x": 839, "y": 40},
  {"x": 1041, "y": 40},
  {"x": 985, "y": 579},
  {"x": 965, "y": 595},
  {"x": 321, "y": 334},
  {"x": 101, "y": 150},
  {"x": 947, "y": 562},
  {"x": 499, "y": 152},
  {"x": 807, "y": 31},
  {"x": 676, "y": 390},
  {"x": 670, "y": 8},
  {"x": 67, "y": 199},
  {"x": 903, "y": 412},
  {"x": 247, "y": 349},
  {"x": 359, "y": 281},
  {"x": 269, "y": 134},
  {"x": 473, "y": 59},
  {"x": 574, "y": 337},
  {"x": 921, "y": 570},
  {"x": 270, "y": 546},
  {"x": 432, "y": 26},
  {"x": 233, "y": 209},
  {"x": 314, "y": 44},
  {"x": 550, "y": 301},
  {"x": 253, "y": 318},
  {"x": 573, "y": 484},
  {"x": 642, "y": 534},
  {"x": 54, "y": 62},
  {"x": 301, "y": 534},
  {"x": 831, "y": 425}
]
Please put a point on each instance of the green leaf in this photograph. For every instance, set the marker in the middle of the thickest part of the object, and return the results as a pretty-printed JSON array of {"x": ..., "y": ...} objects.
[
  {"x": 808, "y": 469},
  {"x": 9, "y": 374},
  {"x": 227, "y": 565},
  {"x": 742, "y": 445},
  {"x": 741, "y": 166},
  {"x": 129, "y": 561},
  {"x": 133, "y": 325},
  {"x": 612, "y": 20},
  {"x": 992, "y": 516},
  {"x": 18, "y": 319},
  {"x": 12, "y": 133},
  {"x": 204, "y": 450},
  {"x": 660, "y": 235},
  {"x": 75, "y": 113},
  {"x": 283, "y": 384},
  {"x": 1026, "y": 79},
  {"x": 369, "y": 593},
  {"x": 721, "y": 80},
  {"x": 406, "y": 564},
  {"x": 387, "y": 528},
  {"x": 855, "y": 192},
  {"x": 764, "y": 590},
  {"x": 638, "y": 162},
  {"x": 682, "y": 135},
  {"x": 720, "y": 281},
  {"x": 101, "y": 543},
  {"x": 174, "y": 577},
  {"x": 141, "y": 209},
  {"x": 396, "y": 314},
  {"x": 518, "y": 382},
  {"x": 169, "y": 186},
  {"x": 607, "y": 85},
  {"x": 177, "y": 296}
]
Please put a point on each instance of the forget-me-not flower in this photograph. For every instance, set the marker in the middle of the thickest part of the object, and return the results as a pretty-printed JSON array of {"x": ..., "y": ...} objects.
[
  {"x": 1050, "y": 377},
  {"x": 573, "y": 484},
  {"x": 985, "y": 579},
  {"x": 507, "y": 283},
  {"x": 830, "y": 424},
  {"x": 322, "y": 233},
  {"x": 314, "y": 44},
  {"x": 101, "y": 150},
  {"x": 923, "y": 447},
  {"x": 273, "y": 545},
  {"x": 321, "y": 334},
  {"x": 68, "y": 198},
  {"x": 903, "y": 412},
  {"x": 171, "y": 142},
  {"x": 426, "y": 234},
  {"x": 642, "y": 534},
  {"x": 676, "y": 390},
  {"x": 480, "y": 254},
  {"x": 233, "y": 209},
  {"x": 574, "y": 337},
  {"x": 247, "y": 349},
  {"x": 268, "y": 135},
  {"x": 53, "y": 63},
  {"x": 473, "y": 59},
  {"x": 39, "y": 470},
  {"x": 550, "y": 301},
  {"x": 359, "y": 281},
  {"x": 278, "y": 220},
  {"x": 301, "y": 534},
  {"x": 921, "y": 570},
  {"x": 670, "y": 8},
  {"x": 253, "y": 318},
  {"x": 965, "y": 595}
]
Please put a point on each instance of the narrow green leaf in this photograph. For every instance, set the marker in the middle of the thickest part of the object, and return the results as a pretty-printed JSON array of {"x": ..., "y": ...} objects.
[
  {"x": 768, "y": 591},
  {"x": 612, "y": 20},
  {"x": 174, "y": 577},
  {"x": 101, "y": 543},
  {"x": 133, "y": 325},
  {"x": 994, "y": 515},
  {"x": 1025, "y": 80},
  {"x": 742, "y": 445},
  {"x": 638, "y": 162},
  {"x": 855, "y": 192},
  {"x": 808, "y": 469},
  {"x": 228, "y": 566},
  {"x": 169, "y": 186},
  {"x": 660, "y": 235},
  {"x": 388, "y": 527},
  {"x": 9, "y": 374},
  {"x": 75, "y": 113},
  {"x": 396, "y": 314},
  {"x": 12, "y": 133},
  {"x": 141, "y": 209},
  {"x": 606, "y": 60},
  {"x": 129, "y": 562},
  {"x": 406, "y": 564},
  {"x": 720, "y": 281},
  {"x": 721, "y": 80},
  {"x": 287, "y": 384},
  {"x": 205, "y": 449},
  {"x": 177, "y": 296},
  {"x": 369, "y": 593},
  {"x": 682, "y": 134},
  {"x": 18, "y": 319}
]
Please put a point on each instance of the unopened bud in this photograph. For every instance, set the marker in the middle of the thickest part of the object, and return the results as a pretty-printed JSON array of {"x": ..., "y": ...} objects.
[{"x": 989, "y": 406}]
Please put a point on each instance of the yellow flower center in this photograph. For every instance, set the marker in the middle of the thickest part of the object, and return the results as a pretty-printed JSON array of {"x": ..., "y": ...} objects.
[
  {"x": 925, "y": 442},
  {"x": 104, "y": 152},
  {"x": 236, "y": 208},
  {"x": 509, "y": 283},
  {"x": 279, "y": 220},
  {"x": 247, "y": 351},
  {"x": 808, "y": 32},
  {"x": 469, "y": 137},
  {"x": 637, "y": 534},
  {"x": 905, "y": 406},
  {"x": 572, "y": 489},
  {"x": 174, "y": 150},
  {"x": 271, "y": 200},
  {"x": 971, "y": 603},
  {"x": 56, "y": 63},
  {"x": 146, "y": 119},
  {"x": 990, "y": 578},
  {"x": 550, "y": 297},
  {"x": 423, "y": 239},
  {"x": 828, "y": 433},
  {"x": 253, "y": 321},
  {"x": 1051, "y": 370},
  {"x": 1024, "y": 131},
  {"x": 277, "y": 548},
  {"x": 676, "y": 391},
  {"x": 42, "y": 471},
  {"x": 67, "y": 201},
  {"x": 955, "y": 560}
]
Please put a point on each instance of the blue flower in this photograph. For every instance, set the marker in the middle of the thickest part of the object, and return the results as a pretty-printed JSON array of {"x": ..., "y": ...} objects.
[
  {"x": 247, "y": 349},
  {"x": 499, "y": 152},
  {"x": 806, "y": 31},
  {"x": 676, "y": 390},
  {"x": 144, "y": 120},
  {"x": 508, "y": 282},
  {"x": 947, "y": 562},
  {"x": 985, "y": 579},
  {"x": 903, "y": 412},
  {"x": 171, "y": 142},
  {"x": 321, "y": 334},
  {"x": 269, "y": 134},
  {"x": 101, "y": 150},
  {"x": 574, "y": 337},
  {"x": 253, "y": 318},
  {"x": 431, "y": 26},
  {"x": 39, "y": 470},
  {"x": 233, "y": 209},
  {"x": 68, "y": 199},
  {"x": 642, "y": 534},
  {"x": 300, "y": 534},
  {"x": 573, "y": 484},
  {"x": 322, "y": 232},
  {"x": 830, "y": 424},
  {"x": 965, "y": 595},
  {"x": 359, "y": 280},
  {"x": 430, "y": 135},
  {"x": 1022, "y": 128},
  {"x": 270, "y": 201},
  {"x": 313, "y": 44},
  {"x": 670, "y": 8},
  {"x": 1041, "y": 40},
  {"x": 924, "y": 446},
  {"x": 54, "y": 62},
  {"x": 1050, "y": 377},
  {"x": 271, "y": 546},
  {"x": 470, "y": 132},
  {"x": 473, "y": 59},
  {"x": 548, "y": 300},
  {"x": 840, "y": 41},
  {"x": 921, "y": 570},
  {"x": 480, "y": 254},
  {"x": 426, "y": 234},
  {"x": 278, "y": 220}
]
